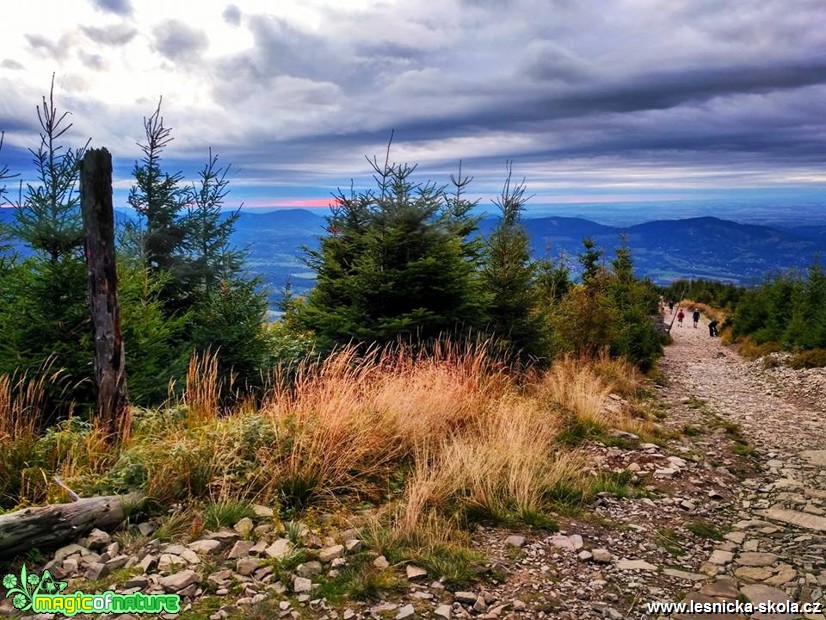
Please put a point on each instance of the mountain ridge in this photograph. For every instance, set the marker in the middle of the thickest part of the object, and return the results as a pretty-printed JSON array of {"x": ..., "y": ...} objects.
[{"x": 663, "y": 249}]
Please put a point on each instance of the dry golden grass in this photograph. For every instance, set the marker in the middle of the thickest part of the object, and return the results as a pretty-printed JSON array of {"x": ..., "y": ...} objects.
[
  {"x": 572, "y": 383},
  {"x": 349, "y": 418},
  {"x": 623, "y": 377},
  {"x": 463, "y": 435},
  {"x": 579, "y": 389},
  {"x": 502, "y": 467},
  {"x": 21, "y": 403},
  {"x": 752, "y": 351},
  {"x": 28, "y": 457},
  {"x": 202, "y": 394}
]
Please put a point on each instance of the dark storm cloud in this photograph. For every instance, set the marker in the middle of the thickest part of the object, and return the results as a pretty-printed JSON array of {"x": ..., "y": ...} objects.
[
  {"x": 232, "y": 15},
  {"x": 117, "y": 35},
  {"x": 14, "y": 124},
  {"x": 178, "y": 41},
  {"x": 621, "y": 99},
  {"x": 669, "y": 89},
  {"x": 118, "y": 7}
]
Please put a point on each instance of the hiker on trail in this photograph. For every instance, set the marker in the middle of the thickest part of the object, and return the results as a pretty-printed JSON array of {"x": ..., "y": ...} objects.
[
  {"x": 696, "y": 317},
  {"x": 712, "y": 328},
  {"x": 671, "y": 307},
  {"x": 680, "y": 317}
]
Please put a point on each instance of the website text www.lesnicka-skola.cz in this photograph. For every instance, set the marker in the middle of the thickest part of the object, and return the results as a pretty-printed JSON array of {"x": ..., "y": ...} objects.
[{"x": 734, "y": 607}]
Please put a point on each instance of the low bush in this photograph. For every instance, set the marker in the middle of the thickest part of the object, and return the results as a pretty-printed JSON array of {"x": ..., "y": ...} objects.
[{"x": 815, "y": 358}]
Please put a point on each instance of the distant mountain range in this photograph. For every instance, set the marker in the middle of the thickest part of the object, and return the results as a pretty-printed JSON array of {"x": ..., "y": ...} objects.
[{"x": 663, "y": 250}]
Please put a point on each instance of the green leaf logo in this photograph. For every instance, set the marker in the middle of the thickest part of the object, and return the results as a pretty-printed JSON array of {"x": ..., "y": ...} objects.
[{"x": 22, "y": 592}]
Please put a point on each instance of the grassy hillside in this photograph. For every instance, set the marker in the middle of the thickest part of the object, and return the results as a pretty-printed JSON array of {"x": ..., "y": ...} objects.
[{"x": 440, "y": 439}]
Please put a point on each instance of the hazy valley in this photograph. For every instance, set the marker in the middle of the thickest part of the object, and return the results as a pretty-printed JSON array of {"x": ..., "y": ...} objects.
[{"x": 663, "y": 250}]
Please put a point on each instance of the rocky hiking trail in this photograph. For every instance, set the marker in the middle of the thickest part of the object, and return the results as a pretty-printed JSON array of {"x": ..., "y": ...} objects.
[
  {"x": 731, "y": 506},
  {"x": 739, "y": 511}
]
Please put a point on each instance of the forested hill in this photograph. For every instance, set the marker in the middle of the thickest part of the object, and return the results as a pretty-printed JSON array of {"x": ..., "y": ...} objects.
[{"x": 664, "y": 250}]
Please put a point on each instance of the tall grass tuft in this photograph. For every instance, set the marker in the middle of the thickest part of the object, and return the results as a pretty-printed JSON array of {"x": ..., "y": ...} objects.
[
  {"x": 500, "y": 468},
  {"x": 572, "y": 383},
  {"x": 349, "y": 419},
  {"x": 202, "y": 394},
  {"x": 22, "y": 400}
]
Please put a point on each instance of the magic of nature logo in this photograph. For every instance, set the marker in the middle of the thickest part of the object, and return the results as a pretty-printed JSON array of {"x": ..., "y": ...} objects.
[{"x": 42, "y": 594}]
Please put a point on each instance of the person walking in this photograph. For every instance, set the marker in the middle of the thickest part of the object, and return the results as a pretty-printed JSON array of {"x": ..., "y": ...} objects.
[
  {"x": 696, "y": 317},
  {"x": 671, "y": 307},
  {"x": 680, "y": 317},
  {"x": 712, "y": 328}
]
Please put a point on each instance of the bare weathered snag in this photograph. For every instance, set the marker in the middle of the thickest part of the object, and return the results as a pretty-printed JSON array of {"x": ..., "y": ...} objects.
[{"x": 112, "y": 408}]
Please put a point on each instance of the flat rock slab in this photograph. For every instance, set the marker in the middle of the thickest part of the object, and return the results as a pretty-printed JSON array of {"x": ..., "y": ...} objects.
[
  {"x": 179, "y": 581},
  {"x": 815, "y": 457},
  {"x": 724, "y": 588},
  {"x": 814, "y": 493},
  {"x": 682, "y": 574},
  {"x": 720, "y": 557},
  {"x": 635, "y": 565},
  {"x": 753, "y": 558},
  {"x": 280, "y": 549},
  {"x": 328, "y": 554},
  {"x": 205, "y": 546},
  {"x": 759, "y": 593},
  {"x": 782, "y": 578},
  {"x": 571, "y": 543},
  {"x": 793, "y": 517},
  {"x": 753, "y": 573},
  {"x": 602, "y": 556},
  {"x": 515, "y": 541}
]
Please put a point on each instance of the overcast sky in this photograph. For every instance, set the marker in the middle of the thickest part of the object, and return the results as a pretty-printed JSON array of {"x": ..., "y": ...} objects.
[{"x": 594, "y": 100}]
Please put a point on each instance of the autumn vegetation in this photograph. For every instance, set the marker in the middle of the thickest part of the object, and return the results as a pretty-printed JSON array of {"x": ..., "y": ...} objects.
[{"x": 433, "y": 375}]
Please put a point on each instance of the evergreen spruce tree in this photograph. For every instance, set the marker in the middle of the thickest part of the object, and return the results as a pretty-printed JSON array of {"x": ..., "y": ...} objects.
[
  {"x": 48, "y": 216},
  {"x": 228, "y": 308},
  {"x": 210, "y": 256},
  {"x": 634, "y": 304},
  {"x": 590, "y": 261},
  {"x": 397, "y": 262},
  {"x": 46, "y": 314},
  {"x": 806, "y": 322},
  {"x": 510, "y": 277},
  {"x": 160, "y": 199},
  {"x": 553, "y": 280}
]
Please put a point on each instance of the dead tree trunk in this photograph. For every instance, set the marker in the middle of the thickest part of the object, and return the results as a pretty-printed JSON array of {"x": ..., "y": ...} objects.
[
  {"x": 47, "y": 527},
  {"x": 112, "y": 408}
]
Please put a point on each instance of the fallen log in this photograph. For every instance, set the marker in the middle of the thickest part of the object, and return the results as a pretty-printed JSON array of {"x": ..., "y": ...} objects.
[{"x": 55, "y": 525}]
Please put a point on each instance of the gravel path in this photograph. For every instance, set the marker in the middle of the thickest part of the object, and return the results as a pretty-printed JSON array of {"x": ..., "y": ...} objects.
[
  {"x": 776, "y": 547},
  {"x": 765, "y": 404}
]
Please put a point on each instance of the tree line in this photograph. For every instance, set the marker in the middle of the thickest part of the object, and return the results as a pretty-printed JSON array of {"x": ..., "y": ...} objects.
[{"x": 402, "y": 260}]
